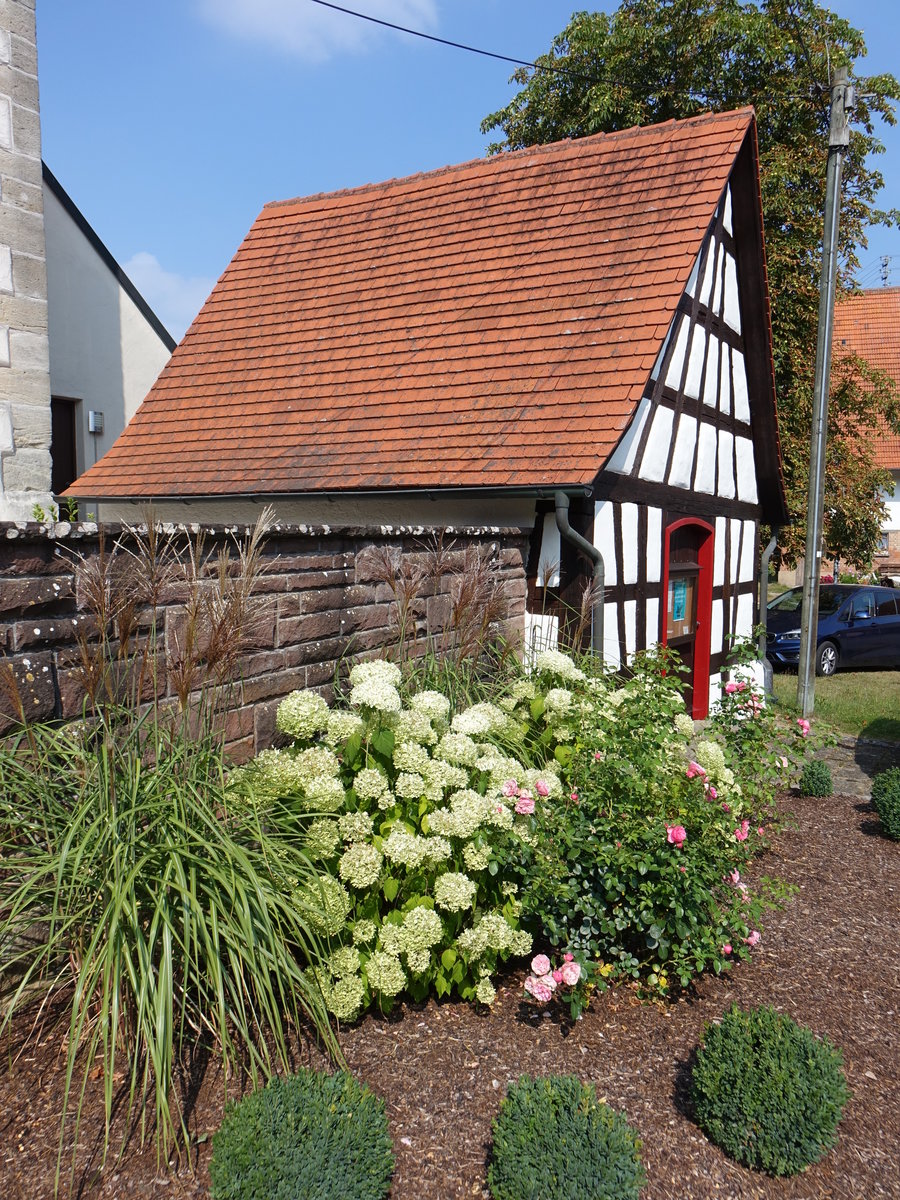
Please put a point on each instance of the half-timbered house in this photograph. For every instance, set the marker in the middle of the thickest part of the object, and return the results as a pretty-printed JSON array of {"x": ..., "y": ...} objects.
[{"x": 573, "y": 337}]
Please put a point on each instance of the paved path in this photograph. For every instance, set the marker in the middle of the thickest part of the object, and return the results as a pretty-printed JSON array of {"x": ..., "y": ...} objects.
[{"x": 855, "y": 761}]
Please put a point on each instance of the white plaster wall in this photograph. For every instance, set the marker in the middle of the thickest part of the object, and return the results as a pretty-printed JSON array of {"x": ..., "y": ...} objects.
[
  {"x": 412, "y": 511},
  {"x": 892, "y": 504},
  {"x": 103, "y": 352}
]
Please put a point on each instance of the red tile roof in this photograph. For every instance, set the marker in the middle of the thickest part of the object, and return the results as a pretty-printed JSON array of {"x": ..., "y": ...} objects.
[
  {"x": 491, "y": 324},
  {"x": 868, "y": 324}
]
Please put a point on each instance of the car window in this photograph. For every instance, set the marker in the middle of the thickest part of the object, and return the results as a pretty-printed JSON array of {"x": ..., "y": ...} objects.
[
  {"x": 887, "y": 605},
  {"x": 863, "y": 603},
  {"x": 791, "y": 601},
  {"x": 830, "y": 600}
]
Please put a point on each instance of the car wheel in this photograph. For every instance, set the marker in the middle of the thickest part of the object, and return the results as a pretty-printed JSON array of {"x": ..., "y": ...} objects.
[{"x": 826, "y": 659}]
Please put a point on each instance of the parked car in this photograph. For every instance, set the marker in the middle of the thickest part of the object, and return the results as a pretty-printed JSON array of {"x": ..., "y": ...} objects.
[{"x": 858, "y": 627}]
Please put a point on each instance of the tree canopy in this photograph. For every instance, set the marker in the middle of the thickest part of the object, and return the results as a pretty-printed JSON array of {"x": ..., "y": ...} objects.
[{"x": 654, "y": 60}]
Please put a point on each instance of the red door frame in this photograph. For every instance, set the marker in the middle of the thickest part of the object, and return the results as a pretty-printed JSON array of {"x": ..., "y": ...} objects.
[{"x": 702, "y": 635}]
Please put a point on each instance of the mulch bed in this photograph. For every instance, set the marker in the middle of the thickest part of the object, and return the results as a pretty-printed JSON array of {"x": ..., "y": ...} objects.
[{"x": 830, "y": 959}]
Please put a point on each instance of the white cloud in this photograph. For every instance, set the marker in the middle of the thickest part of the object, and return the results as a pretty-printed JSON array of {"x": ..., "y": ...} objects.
[
  {"x": 311, "y": 32},
  {"x": 176, "y": 299}
]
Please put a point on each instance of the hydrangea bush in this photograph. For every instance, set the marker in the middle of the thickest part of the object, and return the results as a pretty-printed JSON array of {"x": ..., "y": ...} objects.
[{"x": 402, "y": 807}]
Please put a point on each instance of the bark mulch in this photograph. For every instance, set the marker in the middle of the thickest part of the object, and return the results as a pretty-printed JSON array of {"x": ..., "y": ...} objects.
[{"x": 831, "y": 959}]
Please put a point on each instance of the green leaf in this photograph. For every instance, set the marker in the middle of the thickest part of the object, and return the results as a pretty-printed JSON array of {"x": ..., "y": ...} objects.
[
  {"x": 448, "y": 958},
  {"x": 390, "y": 888}
]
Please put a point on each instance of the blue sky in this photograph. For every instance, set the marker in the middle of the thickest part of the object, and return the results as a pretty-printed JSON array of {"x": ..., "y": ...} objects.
[{"x": 171, "y": 124}]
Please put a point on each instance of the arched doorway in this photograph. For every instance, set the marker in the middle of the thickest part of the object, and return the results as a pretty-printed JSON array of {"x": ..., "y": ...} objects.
[{"x": 687, "y": 604}]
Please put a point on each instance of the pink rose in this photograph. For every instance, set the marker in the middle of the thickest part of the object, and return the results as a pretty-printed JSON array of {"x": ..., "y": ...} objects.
[
  {"x": 726, "y": 807},
  {"x": 683, "y": 870},
  {"x": 568, "y": 958},
  {"x": 539, "y": 989},
  {"x": 694, "y": 769},
  {"x": 574, "y": 797},
  {"x": 734, "y": 876},
  {"x": 542, "y": 788},
  {"x": 784, "y": 763},
  {"x": 726, "y": 949},
  {"x": 509, "y": 788},
  {"x": 711, "y": 793},
  {"x": 540, "y": 964},
  {"x": 571, "y": 973},
  {"x": 525, "y": 806},
  {"x": 676, "y": 835},
  {"x": 753, "y": 938},
  {"x": 743, "y": 832},
  {"x": 803, "y": 726},
  {"x": 597, "y": 755},
  {"x": 557, "y": 975},
  {"x": 761, "y": 830}
]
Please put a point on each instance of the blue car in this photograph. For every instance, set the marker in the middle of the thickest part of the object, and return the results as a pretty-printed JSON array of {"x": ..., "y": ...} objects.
[{"x": 858, "y": 627}]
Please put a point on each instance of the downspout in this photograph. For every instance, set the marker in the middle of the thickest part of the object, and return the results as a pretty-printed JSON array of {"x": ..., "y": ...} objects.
[
  {"x": 763, "y": 606},
  {"x": 599, "y": 585}
]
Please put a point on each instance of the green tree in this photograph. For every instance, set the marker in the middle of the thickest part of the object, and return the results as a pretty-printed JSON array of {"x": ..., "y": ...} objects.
[{"x": 654, "y": 60}]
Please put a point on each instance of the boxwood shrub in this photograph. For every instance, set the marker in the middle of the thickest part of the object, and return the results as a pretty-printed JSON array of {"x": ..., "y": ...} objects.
[
  {"x": 309, "y": 1136},
  {"x": 767, "y": 1091},
  {"x": 886, "y": 798},
  {"x": 816, "y": 779},
  {"x": 553, "y": 1138}
]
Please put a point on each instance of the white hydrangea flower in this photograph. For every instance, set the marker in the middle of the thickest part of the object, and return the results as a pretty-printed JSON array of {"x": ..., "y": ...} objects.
[
  {"x": 342, "y": 726},
  {"x": 434, "y": 705},
  {"x": 344, "y": 961},
  {"x": 492, "y": 932},
  {"x": 409, "y": 756},
  {"x": 454, "y": 892},
  {"x": 385, "y": 973},
  {"x": 345, "y": 999},
  {"x": 408, "y": 849},
  {"x": 279, "y": 772},
  {"x": 482, "y": 718},
  {"x": 443, "y": 775},
  {"x": 364, "y": 932},
  {"x": 302, "y": 714},
  {"x": 325, "y": 905},
  {"x": 360, "y": 865},
  {"x": 355, "y": 827},
  {"x": 684, "y": 724},
  {"x": 409, "y": 785},
  {"x": 557, "y": 705},
  {"x": 422, "y": 928},
  {"x": 316, "y": 762},
  {"x": 324, "y": 795},
  {"x": 386, "y": 800},
  {"x": 369, "y": 784},
  {"x": 457, "y": 748},
  {"x": 475, "y": 857},
  {"x": 711, "y": 757},
  {"x": 485, "y": 993},
  {"x": 467, "y": 812},
  {"x": 377, "y": 696},
  {"x": 414, "y": 726},
  {"x": 554, "y": 662},
  {"x": 378, "y": 670},
  {"x": 322, "y": 838},
  {"x": 418, "y": 961},
  {"x": 390, "y": 939}
]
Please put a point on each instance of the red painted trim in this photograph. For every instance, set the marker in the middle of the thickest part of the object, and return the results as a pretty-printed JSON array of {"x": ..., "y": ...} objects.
[{"x": 702, "y": 638}]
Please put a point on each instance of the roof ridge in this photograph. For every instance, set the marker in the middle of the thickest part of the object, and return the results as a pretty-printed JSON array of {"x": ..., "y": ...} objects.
[{"x": 708, "y": 118}]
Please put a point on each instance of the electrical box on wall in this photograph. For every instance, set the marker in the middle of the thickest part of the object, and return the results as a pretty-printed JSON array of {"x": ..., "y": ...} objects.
[{"x": 95, "y": 421}]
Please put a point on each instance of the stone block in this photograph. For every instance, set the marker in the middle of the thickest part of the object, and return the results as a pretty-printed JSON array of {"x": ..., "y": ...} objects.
[
  {"x": 327, "y": 650},
  {"x": 29, "y": 276},
  {"x": 22, "y": 86},
  {"x": 28, "y": 471},
  {"x": 240, "y": 751},
  {"x": 367, "y": 616},
  {"x": 18, "y": 17},
  {"x": 33, "y": 681},
  {"x": 20, "y": 193},
  {"x": 31, "y": 427},
  {"x": 261, "y": 664},
  {"x": 21, "y": 595},
  {"x": 29, "y": 351},
  {"x": 264, "y": 724},
  {"x": 294, "y": 630},
  {"x": 6, "y": 270},
  {"x": 320, "y": 674},
  {"x": 23, "y": 54},
  {"x": 289, "y": 606},
  {"x": 6, "y": 124},
  {"x": 4, "y": 46},
  {"x": 36, "y": 633},
  {"x": 23, "y": 229},
  {"x": 267, "y": 687},
  {"x": 238, "y": 724},
  {"x": 26, "y": 131}
]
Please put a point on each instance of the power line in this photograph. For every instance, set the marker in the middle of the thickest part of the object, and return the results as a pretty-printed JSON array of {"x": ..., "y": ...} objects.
[{"x": 430, "y": 37}]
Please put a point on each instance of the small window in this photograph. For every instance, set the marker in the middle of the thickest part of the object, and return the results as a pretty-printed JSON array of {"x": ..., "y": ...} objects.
[
  {"x": 887, "y": 605},
  {"x": 883, "y": 548}
]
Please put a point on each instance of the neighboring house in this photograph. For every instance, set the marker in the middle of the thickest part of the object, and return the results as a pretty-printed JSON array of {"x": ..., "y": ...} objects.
[
  {"x": 580, "y": 328},
  {"x": 868, "y": 324},
  {"x": 79, "y": 347}
]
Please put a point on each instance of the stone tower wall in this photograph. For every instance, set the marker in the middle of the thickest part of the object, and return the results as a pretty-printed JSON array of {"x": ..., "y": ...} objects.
[{"x": 24, "y": 348}]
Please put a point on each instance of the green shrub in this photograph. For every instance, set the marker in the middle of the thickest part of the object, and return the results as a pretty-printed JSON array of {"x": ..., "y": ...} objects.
[
  {"x": 767, "y": 1091},
  {"x": 886, "y": 798},
  {"x": 309, "y": 1136},
  {"x": 815, "y": 779},
  {"x": 553, "y": 1138}
]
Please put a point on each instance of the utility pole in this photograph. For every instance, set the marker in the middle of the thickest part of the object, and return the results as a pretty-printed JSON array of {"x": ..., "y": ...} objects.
[{"x": 842, "y": 104}]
